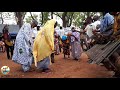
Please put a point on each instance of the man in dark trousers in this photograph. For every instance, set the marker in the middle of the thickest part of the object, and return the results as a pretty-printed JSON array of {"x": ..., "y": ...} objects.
[{"x": 8, "y": 42}]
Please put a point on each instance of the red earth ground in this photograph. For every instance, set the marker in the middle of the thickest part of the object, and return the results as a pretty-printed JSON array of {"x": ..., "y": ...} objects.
[{"x": 62, "y": 68}]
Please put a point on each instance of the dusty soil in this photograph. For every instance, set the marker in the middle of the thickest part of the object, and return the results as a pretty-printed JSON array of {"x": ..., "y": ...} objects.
[{"x": 62, "y": 68}]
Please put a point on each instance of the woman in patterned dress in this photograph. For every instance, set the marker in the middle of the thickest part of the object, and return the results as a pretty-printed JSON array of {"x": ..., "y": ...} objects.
[
  {"x": 75, "y": 44},
  {"x": 56, "y": 42},
  {"x": 23, "y": 46}
]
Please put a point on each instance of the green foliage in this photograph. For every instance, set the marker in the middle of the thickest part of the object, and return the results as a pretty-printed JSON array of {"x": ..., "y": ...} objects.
[
  {"x": 71, "y": 18},
  {"x": 79, "y": 17}
]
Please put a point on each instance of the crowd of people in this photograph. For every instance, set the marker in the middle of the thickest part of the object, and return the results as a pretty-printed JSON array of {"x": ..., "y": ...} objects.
[{"x": 41, "y": 47}]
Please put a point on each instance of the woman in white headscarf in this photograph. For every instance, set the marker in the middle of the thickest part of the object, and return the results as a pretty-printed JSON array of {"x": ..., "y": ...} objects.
[{"x": 23, "y": 46}]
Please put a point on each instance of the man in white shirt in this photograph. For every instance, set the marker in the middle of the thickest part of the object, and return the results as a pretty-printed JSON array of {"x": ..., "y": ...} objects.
[
  {"x": 62, "y": 32},
  {"x": 96, "y": 23},
  {"x": 89, "y": 27},
  {"x": 89, "y": 30}
]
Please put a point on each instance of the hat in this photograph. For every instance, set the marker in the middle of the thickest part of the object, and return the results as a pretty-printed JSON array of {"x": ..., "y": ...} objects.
[{"x": 34, "y": 21}]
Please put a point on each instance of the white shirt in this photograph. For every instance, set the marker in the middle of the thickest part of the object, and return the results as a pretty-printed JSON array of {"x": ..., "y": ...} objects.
[
  {"x": 67, "y": 30},
  {"x": 57, "y": 31},
  {"x": 62, "y": 32},
  {"x": 96, "y": 23},
  {"x": 89, "y": 29}
]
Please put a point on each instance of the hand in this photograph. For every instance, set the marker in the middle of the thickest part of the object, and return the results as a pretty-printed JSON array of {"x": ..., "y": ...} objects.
[{"x": 30, "y": 52}]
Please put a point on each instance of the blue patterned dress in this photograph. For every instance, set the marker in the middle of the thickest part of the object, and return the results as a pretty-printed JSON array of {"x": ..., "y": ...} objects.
[{"x": 23, "y": 47}]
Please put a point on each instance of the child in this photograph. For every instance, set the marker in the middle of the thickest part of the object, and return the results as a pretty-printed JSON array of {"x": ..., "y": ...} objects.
[{"x": 66, "y": 46}]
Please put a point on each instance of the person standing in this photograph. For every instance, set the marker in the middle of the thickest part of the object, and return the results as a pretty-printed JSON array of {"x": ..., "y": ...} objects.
[
  {"x": 44, "y": 46},
  {"x": 66, "y": 45},
  {"x": 89, "y": 31},
  {"x": 8, "y": 42},
  {"x": 23, "y": 46},
  {"x": 83, "y": 37},
  {"x": 56, "y": 42},
  {"x": 75, "y": 44},
  {"x": 62, "y": 32}
]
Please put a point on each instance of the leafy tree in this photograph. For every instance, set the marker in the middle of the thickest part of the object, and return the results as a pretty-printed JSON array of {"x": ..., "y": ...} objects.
[{"x": 6, "y": 16}]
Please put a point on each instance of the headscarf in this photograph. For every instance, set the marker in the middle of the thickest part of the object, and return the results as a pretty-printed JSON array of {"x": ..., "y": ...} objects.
[
  {"x": 25, "y": 33},
  {"x": 44, "y": 42}
]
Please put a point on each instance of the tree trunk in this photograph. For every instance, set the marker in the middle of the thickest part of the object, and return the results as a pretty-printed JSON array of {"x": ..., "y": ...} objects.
[
  {"x": 20, "y": 21},
  {"x": 70, "y": 20},
  {"x": 64, "y": 19},
  {"x": 2, "y": 18},
  {"x": 20, "y": 16},
  {"x": 42, "y": 18},
  {"x": 32, "y": 16},
  {"x": 51, "y": 15},
  {"x": 88, "y": 14}
]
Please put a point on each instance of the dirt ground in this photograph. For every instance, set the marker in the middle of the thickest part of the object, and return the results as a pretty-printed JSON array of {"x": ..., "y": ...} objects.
[{"x": 62, "y": 68}]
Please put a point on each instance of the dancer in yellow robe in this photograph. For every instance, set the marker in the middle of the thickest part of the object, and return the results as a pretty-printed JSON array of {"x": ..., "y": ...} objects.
[{"x": 44, "y": 46}]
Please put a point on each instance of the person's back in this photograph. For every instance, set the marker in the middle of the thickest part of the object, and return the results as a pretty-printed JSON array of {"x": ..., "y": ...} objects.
[
  {"x": 89, "y": 30},
  {"x": 89, "y": 27},
  {"x": 96, "y": 21},
  {"x": 107, "y": 21},
  {"x": 75, "y": 36}
]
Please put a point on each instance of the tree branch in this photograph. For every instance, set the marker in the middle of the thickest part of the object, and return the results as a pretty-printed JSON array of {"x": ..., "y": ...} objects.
[
  {"x": 24, "y": 15},
  {"x": 32, "y": 16},
  {"x": 57, "y": 15}
]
